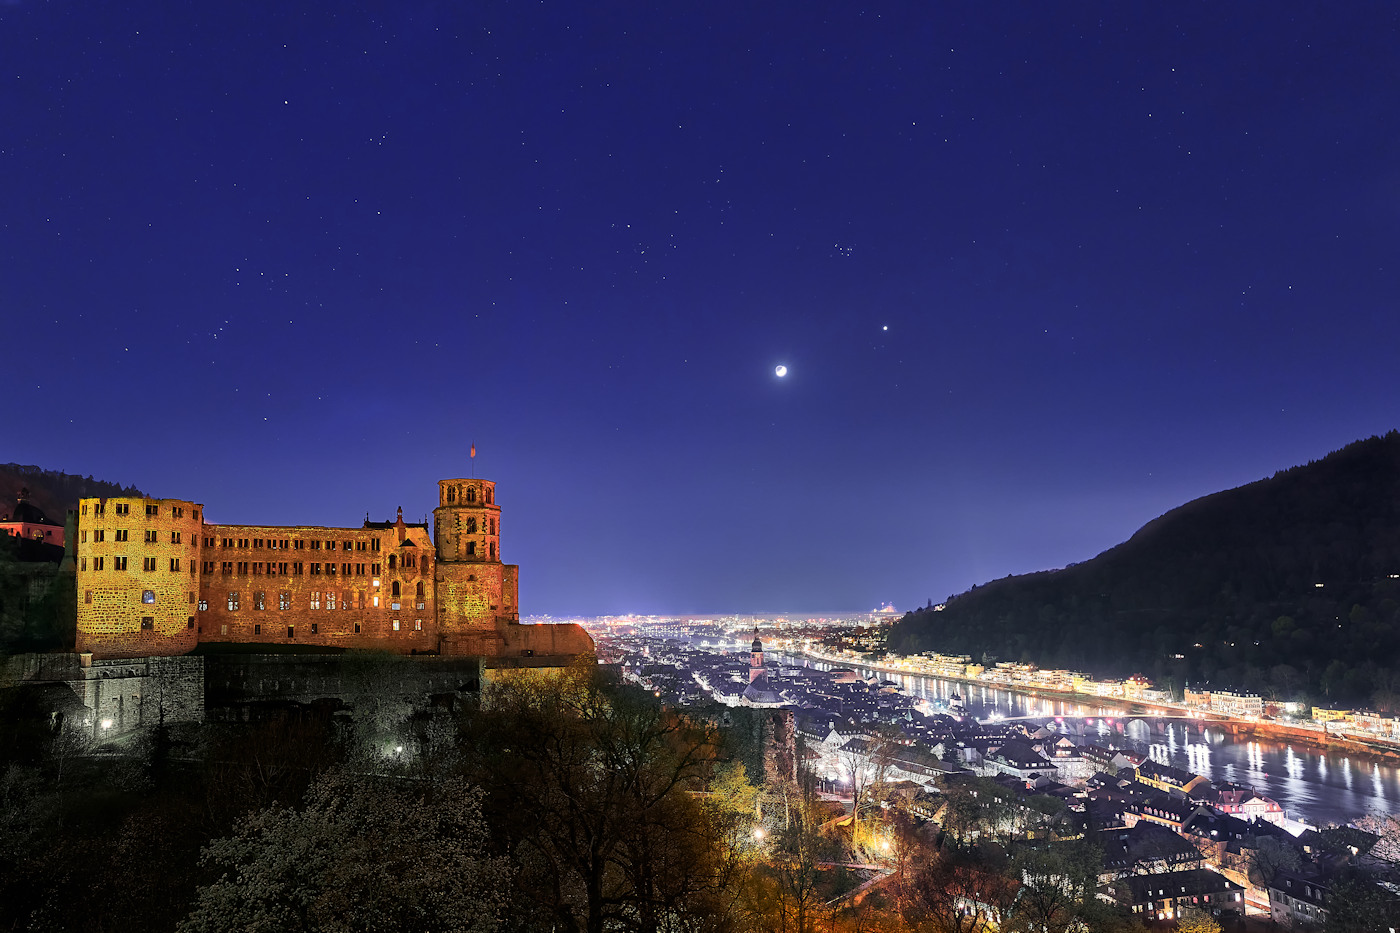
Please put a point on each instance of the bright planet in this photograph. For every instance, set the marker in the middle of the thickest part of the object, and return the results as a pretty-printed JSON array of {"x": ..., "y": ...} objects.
[{"x": 780, "y": 372}]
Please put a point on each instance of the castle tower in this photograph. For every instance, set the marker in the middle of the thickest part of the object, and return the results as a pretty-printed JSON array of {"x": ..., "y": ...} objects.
[
  {"x": 756, "y": 659},
  {"x": 476, "y": 592},
  {"x": 138, "y": 576}
]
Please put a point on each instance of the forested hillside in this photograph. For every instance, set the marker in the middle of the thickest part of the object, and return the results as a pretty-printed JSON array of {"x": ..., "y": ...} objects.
[
  {"x": 1285, "y": 586},
  {"x": 52, "y": 491}
]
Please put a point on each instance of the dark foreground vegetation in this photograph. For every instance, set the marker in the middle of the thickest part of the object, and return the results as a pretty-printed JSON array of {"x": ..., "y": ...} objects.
[
  {"x": 1288, "y": 587},
  {"x": 561, "y": 803}
]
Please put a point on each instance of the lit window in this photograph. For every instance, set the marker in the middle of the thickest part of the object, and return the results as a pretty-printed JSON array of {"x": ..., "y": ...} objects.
[
  {"x": 375, "y": 602},
  {"x": 148, "y": 596},
  {"x": 330, "y": 599},
  {"x": 204, "y": 605},
  {"x": 396, "y": 625},
  {"x": 259, "y": 601},
  {"x": 148, "y": 623},
  {"x": 418, "y": 625},
  {"x": 315, "y": 599},
  {"x": 233, "y": 601},
  {"x": 284, "y": 600},
  {"x": 87, "y": 597}
]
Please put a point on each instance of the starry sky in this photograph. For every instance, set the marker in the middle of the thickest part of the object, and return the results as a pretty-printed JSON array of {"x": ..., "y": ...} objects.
[{"x": 1038, "y": 272}]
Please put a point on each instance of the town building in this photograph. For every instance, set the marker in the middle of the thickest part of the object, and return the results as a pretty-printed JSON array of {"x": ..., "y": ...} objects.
[
  {"x": 27, "y": 521},
  {"x": 155, "y": 578}
]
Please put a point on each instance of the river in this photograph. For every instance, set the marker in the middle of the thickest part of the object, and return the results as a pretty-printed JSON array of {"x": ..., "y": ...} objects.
[{"x": 1313, "y": 785}]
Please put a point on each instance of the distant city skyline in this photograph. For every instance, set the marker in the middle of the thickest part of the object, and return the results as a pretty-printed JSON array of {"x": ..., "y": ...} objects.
[{"x": 745, "y": 309}]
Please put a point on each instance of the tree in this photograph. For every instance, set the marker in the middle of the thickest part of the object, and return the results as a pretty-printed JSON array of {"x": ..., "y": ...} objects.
[
  {"x": 587, "y": 785},
  {"x": 1195, "y": 920},
  {"x": 954, "y": 893},
  {"x": 362, "y": 853},
  {"x": 1268, "y": 857}
]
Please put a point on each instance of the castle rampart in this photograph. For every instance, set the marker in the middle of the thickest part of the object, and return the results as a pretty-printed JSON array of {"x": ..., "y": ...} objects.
[{"x": 155, "y": 579}]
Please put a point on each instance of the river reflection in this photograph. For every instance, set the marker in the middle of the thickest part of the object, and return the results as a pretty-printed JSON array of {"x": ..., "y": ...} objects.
[{"x": 1311, "y": 784}]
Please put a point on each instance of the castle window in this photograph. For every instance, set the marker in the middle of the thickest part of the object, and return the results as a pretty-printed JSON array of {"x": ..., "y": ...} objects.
[
  {"x": 374, "y": 544},
  {"x": 374, "y": 569},
  {"x": 174, "y": 565},
  {"x": 418, "y": 623},
  {"x": 152, "y": 510},
  {"x": 471, "y": 548},
  {"x": 296, "y": 568},
  {"x": 118, "y": 563},
  {"x": 178, "y": 512},
  {"x": 120, "y": 535},
  {"x": 471, "y": 493},
  {"x": 451, "y": 494},
  {"x": 313, "y": 629},
  {"x": 315, "y": 599},
  {"x": 189, "y": 623},
  {"x": 330, "y": 599},
  {"x": 362, "y": 599},
  {"x": 147, "y": 623},
  {"x": 82, "y": 563},
  {"x": 259, "y": 600},
  {"x": 345, "y": 597},
  {"x": 257, "y": 628},
  {"x": 292, "y": 632},
  {"x": 151, "y": 535},
  {"x": 493, "y": 526},
  {"x": 99, "y": 509},
  {"x": 395, "y": 605},
  {"x": 315, "y": 545},
  {"x": 489, "y": 496},
  {"x": 227, "y": 566},
  {"x": 84, "y": 538},
  {"x": 174, "y": 537},
  {"x": 360, "y": 545},
  {"x": 420, "y": 589},
  {"x": 284, "y": 600},
  {"x": 359, "y": 570},
  {"x": 204, "y": 605},
  {"x": 196, "y": 514},
  {"x": 87, "y": 597},
  {"x": 493, "y": 550},
  {"x": 394, "y": 588},
  {"x": 233, "y": 601},
  {"x": 315, "y": 569},
  {"x": 223, "y": 629},
  {"x": 471, "y": 526},
  {"x": 346, "y": 545},
  {"x": 84, "y": 509},
  {"x": 298, "y": 544},
  {"x": 374, "y": 602},
  {"x": 396, "y": 625},
  {"x": 243, "y": 567},
  {"x": 392, "y": 560},
  {"x": 147, "y": 563},
  {"x": 330, "y": 569},
  {"x": 357, "y": 628},
  {"x": 122, "y": 508}
]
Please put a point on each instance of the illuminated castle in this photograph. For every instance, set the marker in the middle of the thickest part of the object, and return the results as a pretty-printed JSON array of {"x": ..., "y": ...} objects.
[{"x": 154, "y": 579}]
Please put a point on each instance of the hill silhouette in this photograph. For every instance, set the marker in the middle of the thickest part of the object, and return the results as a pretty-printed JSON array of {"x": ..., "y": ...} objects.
[
  {"x": 52, "y": 491},
  {"x": 1289, "y": 587}
]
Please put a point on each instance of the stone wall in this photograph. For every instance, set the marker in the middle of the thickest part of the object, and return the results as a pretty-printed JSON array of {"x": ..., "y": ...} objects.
[
  {"x": 137, "y": 576},
  {"x": 363, "y": 588}
]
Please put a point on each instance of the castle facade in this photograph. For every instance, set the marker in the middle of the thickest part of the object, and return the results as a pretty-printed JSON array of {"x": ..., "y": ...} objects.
[{"x": 155, "y": 579}]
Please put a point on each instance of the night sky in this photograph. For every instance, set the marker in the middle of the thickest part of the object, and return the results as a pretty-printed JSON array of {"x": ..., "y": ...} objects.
[{"x": 1038, "y": 273}]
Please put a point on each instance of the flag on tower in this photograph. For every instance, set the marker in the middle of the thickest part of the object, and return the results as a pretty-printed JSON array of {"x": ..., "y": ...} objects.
[{"x": 473, "y": 451}]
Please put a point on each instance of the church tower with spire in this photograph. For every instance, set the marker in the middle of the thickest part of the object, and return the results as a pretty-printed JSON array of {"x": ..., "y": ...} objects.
[{"x": 756, "y": 671}]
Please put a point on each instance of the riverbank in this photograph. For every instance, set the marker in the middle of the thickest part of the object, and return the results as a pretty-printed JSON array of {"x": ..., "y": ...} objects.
[{"x": 1352, "y": 744}]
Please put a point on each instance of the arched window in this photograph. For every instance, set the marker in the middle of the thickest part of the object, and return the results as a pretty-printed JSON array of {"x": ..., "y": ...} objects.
[
  {"x": 451, "y": 493},
  {"x": 420, "y": 589},
  {"x": 396, "y": 588},
  {"x": 392, "y": 560},
  {"x": 471, "y": 526},
  {"x": 488, "y": 495}
]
